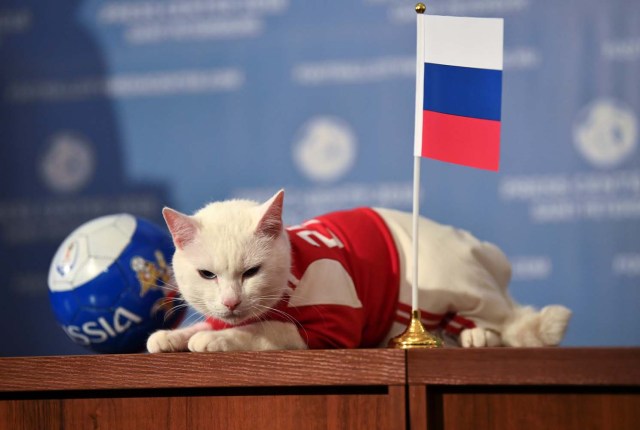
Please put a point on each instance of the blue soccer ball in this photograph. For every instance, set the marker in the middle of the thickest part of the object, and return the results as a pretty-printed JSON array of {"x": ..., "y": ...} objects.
[{"x": 109, "y": 283}]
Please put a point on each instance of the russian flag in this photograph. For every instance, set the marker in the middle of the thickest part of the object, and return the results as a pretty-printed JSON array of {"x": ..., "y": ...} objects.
[{"x": 461, "y": 91}]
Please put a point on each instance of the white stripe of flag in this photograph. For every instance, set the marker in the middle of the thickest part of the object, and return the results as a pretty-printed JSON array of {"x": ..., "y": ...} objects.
[{"x": 464, "y": 42}]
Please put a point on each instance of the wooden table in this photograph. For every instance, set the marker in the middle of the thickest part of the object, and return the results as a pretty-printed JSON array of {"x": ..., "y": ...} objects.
[
  {"x": 341, "y": 389},
  {"x": 528, "y": 388},
  {"x": 493, "y": 388}
]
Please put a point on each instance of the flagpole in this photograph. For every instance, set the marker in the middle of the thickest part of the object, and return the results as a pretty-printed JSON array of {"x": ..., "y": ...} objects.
[
  {"x": 415, "y": 335},
  {"x": 417, "y": 148}
]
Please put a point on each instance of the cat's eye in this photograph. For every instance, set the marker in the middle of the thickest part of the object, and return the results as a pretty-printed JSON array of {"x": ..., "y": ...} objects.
[
  {"x": 251, "y": 272},
  {"x": 207, "y": 275}
]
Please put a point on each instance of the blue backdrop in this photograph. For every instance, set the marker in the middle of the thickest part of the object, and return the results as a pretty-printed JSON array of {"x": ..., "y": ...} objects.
[{"x": 130, "y": 105}]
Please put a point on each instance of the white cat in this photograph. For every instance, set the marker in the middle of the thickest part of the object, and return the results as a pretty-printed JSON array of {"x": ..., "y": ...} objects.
[{"x": 338, "y": 281}]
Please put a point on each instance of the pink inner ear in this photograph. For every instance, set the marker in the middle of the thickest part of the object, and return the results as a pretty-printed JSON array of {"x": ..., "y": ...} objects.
[
  {"x": 182, "y": 227},
  {"x": 271, "y": 223}
]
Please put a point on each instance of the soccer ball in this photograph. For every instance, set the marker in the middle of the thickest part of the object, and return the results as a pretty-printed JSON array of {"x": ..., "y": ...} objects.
[{"x": 109, "y": 283}]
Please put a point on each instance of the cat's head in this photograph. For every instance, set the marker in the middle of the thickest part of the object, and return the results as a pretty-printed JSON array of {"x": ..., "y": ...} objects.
[{"x": 232, "y": 258}]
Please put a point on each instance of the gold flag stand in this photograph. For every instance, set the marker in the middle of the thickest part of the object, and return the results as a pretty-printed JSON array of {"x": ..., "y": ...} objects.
[{"x": 415, "y": 336}]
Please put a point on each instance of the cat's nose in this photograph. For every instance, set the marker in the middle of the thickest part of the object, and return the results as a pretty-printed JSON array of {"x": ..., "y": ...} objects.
[{"x": 231, "y": 303}]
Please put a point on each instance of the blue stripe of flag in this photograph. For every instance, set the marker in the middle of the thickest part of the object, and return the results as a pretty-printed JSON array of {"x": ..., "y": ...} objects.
[{"x": 464, "y": 91}]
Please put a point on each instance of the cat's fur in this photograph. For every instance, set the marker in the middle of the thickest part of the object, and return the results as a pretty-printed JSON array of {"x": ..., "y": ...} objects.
[{"x": 245, "y": 245}]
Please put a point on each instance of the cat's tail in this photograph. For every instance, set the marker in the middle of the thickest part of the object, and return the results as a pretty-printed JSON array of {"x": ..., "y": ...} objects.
[{"x": 527, "y": 326}]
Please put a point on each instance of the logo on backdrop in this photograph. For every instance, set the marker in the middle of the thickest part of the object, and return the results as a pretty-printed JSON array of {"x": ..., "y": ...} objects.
[
  {"x": 605, "y": 133},
  {"x": 324, "y": 149},
  {"x": 68, "y": 163}
]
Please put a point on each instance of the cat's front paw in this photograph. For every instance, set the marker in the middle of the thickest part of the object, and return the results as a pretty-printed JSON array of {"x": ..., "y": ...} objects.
[
  {"x": 479, "y": 337},
  {"x": 210, "y": 341},
  {"x": 165, "y": 341}
]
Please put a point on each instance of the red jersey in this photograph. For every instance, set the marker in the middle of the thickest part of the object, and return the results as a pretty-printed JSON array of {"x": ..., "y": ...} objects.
[{"x": 345, "y": 278}]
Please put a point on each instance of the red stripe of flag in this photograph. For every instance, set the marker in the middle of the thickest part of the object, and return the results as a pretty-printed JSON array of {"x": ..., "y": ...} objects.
[{"x": 456, "y": 139}]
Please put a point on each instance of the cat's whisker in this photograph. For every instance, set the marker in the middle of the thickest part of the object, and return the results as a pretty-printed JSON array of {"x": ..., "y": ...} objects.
[
  {"x": 175, "y": 299},
  {"x": 280, "y": 312},
  {"x": 175, "y": 309},
  {"x": 170, "y": 290},
  {"x": 286, "y": 316},
  {"x": 194, "y": 319},
  {"x": 261, "y": 318},
  {"x": 160, "y": 282}
]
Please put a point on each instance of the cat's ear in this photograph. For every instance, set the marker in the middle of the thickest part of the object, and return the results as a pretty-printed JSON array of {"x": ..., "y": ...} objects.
[
  {"x": 183, "y": 228},
  {"x": 270, "y": 224}
]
